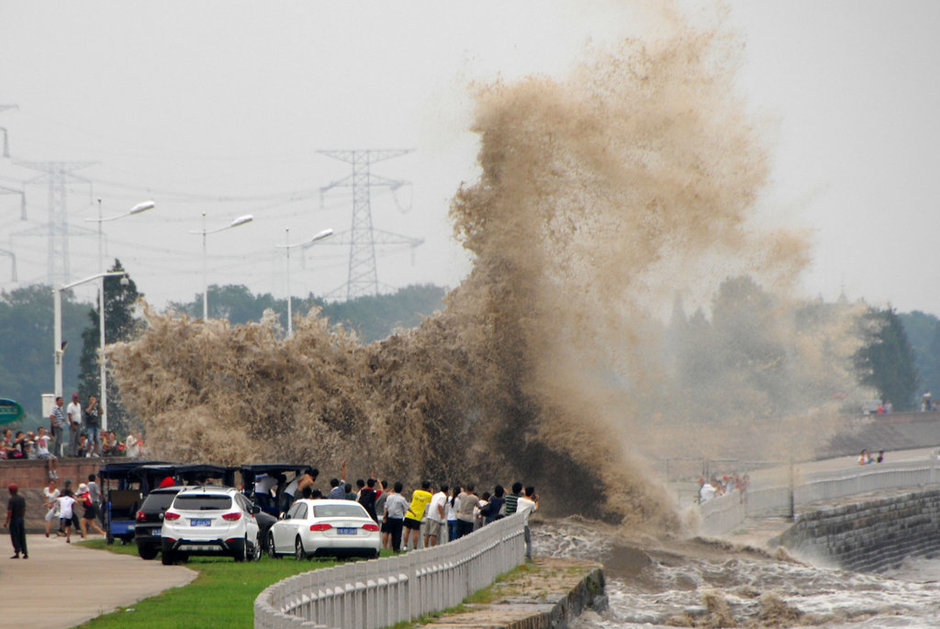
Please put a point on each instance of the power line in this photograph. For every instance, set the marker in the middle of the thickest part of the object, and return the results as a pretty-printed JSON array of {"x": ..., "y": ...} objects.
[
  {"x": 57, "y": 175},
  {"x": 363, "y": 274}
]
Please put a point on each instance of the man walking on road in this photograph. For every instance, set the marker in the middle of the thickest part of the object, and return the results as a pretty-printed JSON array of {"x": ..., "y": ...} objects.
[{"x": 16, "y": 521}]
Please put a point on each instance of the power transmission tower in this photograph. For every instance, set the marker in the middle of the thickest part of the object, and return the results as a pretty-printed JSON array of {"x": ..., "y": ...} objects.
[
  {"x": 57, "y": 229},
  {"x": 363, "y": 276}
]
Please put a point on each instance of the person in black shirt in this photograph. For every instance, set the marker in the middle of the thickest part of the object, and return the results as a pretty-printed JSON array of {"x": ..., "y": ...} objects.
[{"x": 16, "y": 521}]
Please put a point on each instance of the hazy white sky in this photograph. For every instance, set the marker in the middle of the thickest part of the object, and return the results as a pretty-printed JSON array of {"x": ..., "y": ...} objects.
[{"x": 221, "y": 107}]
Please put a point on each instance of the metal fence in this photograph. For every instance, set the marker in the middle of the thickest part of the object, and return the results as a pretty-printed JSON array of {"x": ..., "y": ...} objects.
[
  {"x": 780, "y": 495},
  {"x": 382, "y": 592}
]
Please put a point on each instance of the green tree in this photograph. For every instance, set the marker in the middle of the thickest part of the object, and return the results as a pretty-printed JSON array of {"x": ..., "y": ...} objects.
[
  {"x": 923, "y": 331},
  {"x": 885, "y": 362},
  {"x": 120, "y": 324},
  {"x": 26, "y": 338}
]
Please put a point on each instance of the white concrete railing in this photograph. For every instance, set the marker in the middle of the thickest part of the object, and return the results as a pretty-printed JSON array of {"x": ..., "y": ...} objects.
[
  {"x": 771, "y": 496},
  {"x": 382, "y": 592}
]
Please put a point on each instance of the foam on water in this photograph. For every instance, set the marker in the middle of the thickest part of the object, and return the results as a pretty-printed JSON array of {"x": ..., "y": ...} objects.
[{"x": 696, "y": 583}]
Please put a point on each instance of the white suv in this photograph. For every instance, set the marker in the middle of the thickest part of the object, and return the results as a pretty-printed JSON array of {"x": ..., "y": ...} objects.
[{"x": 210, "y": 521}]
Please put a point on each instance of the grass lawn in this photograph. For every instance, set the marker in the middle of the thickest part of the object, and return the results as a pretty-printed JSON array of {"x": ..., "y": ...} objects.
[{"x": 223, "y": 595}]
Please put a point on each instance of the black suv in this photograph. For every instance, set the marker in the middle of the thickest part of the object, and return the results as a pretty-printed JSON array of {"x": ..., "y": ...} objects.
[{"x": 150, "y": 520}]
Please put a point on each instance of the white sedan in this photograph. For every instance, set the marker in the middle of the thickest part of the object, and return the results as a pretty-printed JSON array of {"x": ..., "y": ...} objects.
[{"x": 325, "y": 527}]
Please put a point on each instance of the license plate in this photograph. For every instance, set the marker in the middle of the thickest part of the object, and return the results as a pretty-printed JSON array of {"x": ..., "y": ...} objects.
[
  {"x": 155, "y": 532},
  {"x": 345, "y": 530},
  {"x": 200, "y": 522}
]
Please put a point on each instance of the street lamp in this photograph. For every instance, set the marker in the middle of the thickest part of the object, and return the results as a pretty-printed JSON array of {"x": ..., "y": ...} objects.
[
  {"x": 59, "y": 346},
  {"x": 143, "y": 206},
  {"x": 326, "y": 233},
  {"x": 241, "y": 220}
]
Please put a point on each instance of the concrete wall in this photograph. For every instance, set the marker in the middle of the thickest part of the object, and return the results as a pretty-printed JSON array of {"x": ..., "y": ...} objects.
[
  {"x": 870, "y": 536},
  {"x": 30, "y": 475}
]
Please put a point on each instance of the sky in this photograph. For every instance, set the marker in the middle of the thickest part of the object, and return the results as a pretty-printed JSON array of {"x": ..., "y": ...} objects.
[{"x": 223, "y": 107}]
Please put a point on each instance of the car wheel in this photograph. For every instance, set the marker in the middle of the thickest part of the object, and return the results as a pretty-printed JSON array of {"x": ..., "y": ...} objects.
[
  {"x": 299, "y": 553},
  {"x": 241, "y": 554},
  {"x": 256, "y": 550},
  {"x": 168, "y": 558},
  {"x": 272, "y": 551},
  {"x": 147, "y": 551}
]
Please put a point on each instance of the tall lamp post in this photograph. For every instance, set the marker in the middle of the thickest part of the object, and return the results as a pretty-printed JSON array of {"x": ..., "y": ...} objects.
[
  {"x": 59, "y": 347},
  {"x": 326, "y": 233},
  {"x": 143, "y": 206},
  {"x": 241, "y": 220}
]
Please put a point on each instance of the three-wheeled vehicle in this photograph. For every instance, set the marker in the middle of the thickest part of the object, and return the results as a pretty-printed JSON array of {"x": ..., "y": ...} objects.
[{"x": 122, "y": 492}]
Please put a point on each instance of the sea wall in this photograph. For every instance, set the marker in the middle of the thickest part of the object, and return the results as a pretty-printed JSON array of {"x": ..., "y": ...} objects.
[{"x": 869, "y": 536}]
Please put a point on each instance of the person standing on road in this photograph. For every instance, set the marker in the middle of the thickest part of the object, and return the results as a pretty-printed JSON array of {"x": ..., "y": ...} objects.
[
  {"x": 436, "y": 517},
  {"x": 66, "y": 502},
  {"x": 58, "y": 422},
  {"x": 395, "y": 508},
  {"x": 16, "y": 521},
  {"x": 50, "y": 496},
  {"x": 466, "y": 501},
  {"x": 74, "y": 412},
  {"x": 419, "y": 502}
]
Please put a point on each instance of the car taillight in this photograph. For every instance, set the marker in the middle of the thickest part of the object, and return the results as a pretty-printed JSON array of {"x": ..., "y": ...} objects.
[
  {"x": 169, "y": 515},
  {"x": 320, "y": 527},
  {"x": 140, "y": 516},
  {"x": 371, "y": 527},
  {"x": 232, "y": 517}
]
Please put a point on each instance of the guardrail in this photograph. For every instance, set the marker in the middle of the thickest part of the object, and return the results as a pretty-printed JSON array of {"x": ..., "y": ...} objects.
[
  {"x": 770, "y": 497},
  {"x": 382, "y": 592}
]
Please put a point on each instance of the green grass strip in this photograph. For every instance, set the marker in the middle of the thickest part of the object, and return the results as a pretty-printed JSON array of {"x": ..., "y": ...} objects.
[{"x": 223, "y": 595}]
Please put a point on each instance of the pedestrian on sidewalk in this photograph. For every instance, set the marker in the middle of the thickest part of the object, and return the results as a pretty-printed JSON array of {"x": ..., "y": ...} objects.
[{"x": 16, "y": 521}]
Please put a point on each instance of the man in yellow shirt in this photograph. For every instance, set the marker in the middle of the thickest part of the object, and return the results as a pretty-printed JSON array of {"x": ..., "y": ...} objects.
[{"x": 419, "y": 502}]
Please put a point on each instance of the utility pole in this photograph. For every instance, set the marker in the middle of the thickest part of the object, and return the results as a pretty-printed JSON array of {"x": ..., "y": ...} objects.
[
  {"x": 363, "y": 275},
  {"x": 6, "y": 139},
  {"x": 57, "y": 254}
]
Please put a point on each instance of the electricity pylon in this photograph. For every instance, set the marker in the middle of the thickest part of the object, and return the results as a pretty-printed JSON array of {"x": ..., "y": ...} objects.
[
  {"x": 57, "y": 229},
  {"x": 363, "y": 276}
]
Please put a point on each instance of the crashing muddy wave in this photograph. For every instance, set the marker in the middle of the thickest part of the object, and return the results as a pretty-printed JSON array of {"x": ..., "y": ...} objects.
[{"x": 602, "y": 195}]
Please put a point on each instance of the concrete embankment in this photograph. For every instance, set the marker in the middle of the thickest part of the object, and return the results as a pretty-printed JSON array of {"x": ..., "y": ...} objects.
[
  {"x": 544, "y": 594},
  {"x": 869, "y": 535}
]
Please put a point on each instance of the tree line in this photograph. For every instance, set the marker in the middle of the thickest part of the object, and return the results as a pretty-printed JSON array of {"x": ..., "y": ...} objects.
[
  {"x": 898, "y": 356},
  {"x": 26, "y": 331}
]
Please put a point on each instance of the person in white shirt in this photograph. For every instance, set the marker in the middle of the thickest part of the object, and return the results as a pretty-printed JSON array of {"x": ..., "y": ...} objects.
[
  {"x": 74, "y": 414},
  {"x": 133, "y": 447},
  {"x": 528, "y": 504},
  {"x": 436, "y": 517},
  {"x": 51, "y": 496},
  {"x": 66, "y": 502}
]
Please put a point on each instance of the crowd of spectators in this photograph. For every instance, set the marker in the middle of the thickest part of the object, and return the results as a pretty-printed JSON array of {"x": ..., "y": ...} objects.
[
  {"x": 429, "y": 516},
  {"x": 714, "y": 487},
  {"x": 84, "y": 437}
]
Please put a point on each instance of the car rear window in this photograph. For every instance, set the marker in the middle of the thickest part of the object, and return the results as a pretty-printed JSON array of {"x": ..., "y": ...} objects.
[
  {"x": 339, "y": 511},
  {"x": 202, "y": 502},
  {"x": 155, "y": 502}
]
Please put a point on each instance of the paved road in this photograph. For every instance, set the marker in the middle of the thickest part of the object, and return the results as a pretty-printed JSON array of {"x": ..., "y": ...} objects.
[
  {"x": 63, "y": 585},
  {"x": 759, "y": 531}
]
